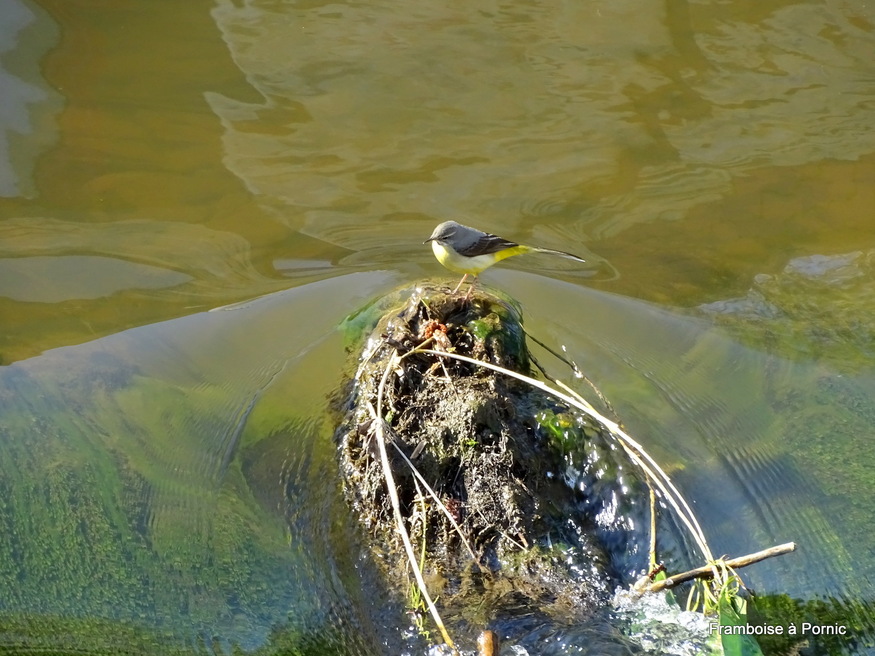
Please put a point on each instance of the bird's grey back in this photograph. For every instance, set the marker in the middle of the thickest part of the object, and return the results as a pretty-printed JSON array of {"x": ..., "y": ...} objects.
[{"x": 461, "y": 237}]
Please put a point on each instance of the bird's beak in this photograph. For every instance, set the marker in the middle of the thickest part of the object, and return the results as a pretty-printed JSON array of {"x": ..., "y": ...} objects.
[{"x": 428, "y": 240}]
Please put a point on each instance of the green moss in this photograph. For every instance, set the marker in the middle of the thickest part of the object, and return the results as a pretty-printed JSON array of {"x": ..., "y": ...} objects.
[
  {"x": 63, "y": 636},
  {"x": 842, "y": 626},
  {"x": 128, "y": 505},
  {"x": 357, "y": 325}
]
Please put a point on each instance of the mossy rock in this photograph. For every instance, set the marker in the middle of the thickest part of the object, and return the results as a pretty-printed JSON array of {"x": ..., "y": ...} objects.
[{"x": 475, "y": 436}]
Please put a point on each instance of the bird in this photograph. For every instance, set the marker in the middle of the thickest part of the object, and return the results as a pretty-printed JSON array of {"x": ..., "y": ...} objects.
[{"x": 469, "y": 251}]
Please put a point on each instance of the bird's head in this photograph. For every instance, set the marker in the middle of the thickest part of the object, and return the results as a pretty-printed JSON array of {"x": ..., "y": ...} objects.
[{"x": 443, "y": 232}]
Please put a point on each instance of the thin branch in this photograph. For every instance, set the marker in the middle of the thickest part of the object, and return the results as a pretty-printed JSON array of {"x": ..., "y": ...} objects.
[
  {"x": 396, "y": 503},
  {"x": 652, "y": 524},
  {"x": 434, "y": 496},
  {"x": 635, "y": 450},
  {"x": 707, "y": 571},
  {"x": 574, "y": 368}
]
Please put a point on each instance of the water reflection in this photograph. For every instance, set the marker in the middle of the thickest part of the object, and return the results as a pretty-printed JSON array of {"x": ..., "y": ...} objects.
[
  {"x": 54, "y": 279},
  {"x": 819, "y": 307},
  {"x": 508, "y": 124},
  {"x": 29, "y": 104},
  {"x": 210, "y": 258},
  {"x": 644, "y": 134},
  {"x": 719, "y": 156}
]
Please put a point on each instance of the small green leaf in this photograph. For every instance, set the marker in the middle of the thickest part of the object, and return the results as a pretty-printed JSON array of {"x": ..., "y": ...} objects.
[{"x": 732, "y": 611}]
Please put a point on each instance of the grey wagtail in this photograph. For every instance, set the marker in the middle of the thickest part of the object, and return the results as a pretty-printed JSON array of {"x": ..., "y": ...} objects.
[{"x": 469, "y": 251}]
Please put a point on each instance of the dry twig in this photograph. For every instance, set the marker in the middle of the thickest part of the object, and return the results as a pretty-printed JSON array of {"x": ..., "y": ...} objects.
[{"x": 708, "y": 570}]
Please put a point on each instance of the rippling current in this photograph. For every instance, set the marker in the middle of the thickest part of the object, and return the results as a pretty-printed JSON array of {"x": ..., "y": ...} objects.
[{"x": 167, "y": 472}]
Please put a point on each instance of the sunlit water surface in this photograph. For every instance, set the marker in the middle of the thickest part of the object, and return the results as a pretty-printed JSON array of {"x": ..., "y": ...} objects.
[{"x": 168, "y": 479}]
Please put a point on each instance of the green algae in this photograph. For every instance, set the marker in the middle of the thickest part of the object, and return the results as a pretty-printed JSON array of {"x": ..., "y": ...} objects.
[{"x": 115, "y": 510}]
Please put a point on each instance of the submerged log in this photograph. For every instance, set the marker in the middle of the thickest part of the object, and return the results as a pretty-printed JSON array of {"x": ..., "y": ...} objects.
[{"x": 496, "y": 539}]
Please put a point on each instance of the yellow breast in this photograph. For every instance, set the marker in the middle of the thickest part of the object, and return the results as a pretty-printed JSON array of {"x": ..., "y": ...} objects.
[{"x": 453, "y": 261}]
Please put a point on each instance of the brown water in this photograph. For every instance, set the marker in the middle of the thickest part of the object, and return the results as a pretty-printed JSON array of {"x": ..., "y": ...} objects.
[{"x": 715, "y": 163}]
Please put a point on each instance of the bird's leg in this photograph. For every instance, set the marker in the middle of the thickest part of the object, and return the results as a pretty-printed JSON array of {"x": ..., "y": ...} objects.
[
  {"x": 471, "y": 289},
  {"x": 460, "y": 283}
]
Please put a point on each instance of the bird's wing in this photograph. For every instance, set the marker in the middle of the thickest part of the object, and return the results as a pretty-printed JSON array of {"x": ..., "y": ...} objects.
[{"x": 486, "y": 245}]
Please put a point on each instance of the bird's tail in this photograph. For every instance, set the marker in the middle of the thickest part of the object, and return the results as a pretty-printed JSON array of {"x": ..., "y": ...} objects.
[{"x": 550, "y": 251}]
